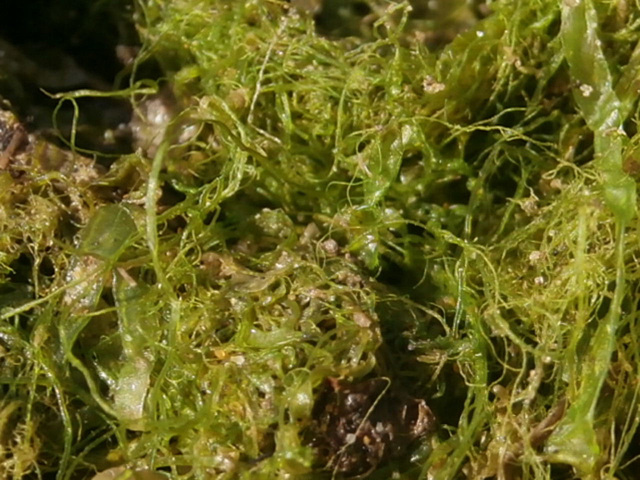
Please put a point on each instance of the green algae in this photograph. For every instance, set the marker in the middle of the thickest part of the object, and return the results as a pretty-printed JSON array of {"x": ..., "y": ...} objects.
[{"x": 434, "y": 196}]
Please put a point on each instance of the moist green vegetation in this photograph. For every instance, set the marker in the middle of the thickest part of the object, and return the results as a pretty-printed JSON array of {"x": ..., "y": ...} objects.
[{"x": 372, "y": 239}]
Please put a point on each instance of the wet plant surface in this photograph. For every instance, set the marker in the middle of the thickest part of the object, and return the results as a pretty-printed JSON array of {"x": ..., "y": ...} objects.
[{"x": 317, "y": 239}]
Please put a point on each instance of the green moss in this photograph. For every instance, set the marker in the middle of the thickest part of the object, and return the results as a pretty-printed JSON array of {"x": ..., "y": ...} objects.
[{"x": 429, "y": 205}]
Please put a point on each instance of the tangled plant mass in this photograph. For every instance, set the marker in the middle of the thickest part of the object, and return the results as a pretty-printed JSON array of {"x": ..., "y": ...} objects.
[{"x": 366, "y": 239}]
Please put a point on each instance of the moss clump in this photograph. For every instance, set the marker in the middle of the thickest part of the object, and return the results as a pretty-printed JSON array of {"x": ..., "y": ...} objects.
[{"x": 334, "y": 208}]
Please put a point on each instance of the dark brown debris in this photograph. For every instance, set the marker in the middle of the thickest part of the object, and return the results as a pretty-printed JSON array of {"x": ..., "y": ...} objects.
[{"x": 358, "y": 426}]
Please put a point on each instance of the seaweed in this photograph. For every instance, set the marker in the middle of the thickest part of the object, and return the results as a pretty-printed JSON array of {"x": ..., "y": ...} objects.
[{"x": 361, "y": 239}]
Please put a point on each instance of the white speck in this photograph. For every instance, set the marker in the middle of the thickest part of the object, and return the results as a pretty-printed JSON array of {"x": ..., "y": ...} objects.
[
  {"x": 557, "y": 184},
  {"x": 536, "y": 256},
  {"x": 362, "y": 319},
  {"x": 350, "y": 438},
  {"x": 238, "y": 360},
  {"x": 331, "y": 247},
  {"x": 187, "y": 133},
  {"x": 430, "y": 85},
  {"x": 586, "y": 90},
  {"x": 539, "y": 280},
  {"x": 479, "y": 33}
]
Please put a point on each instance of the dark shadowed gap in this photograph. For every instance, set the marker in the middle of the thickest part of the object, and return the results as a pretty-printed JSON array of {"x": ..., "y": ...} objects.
[{"x": 68, "y": 45}]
